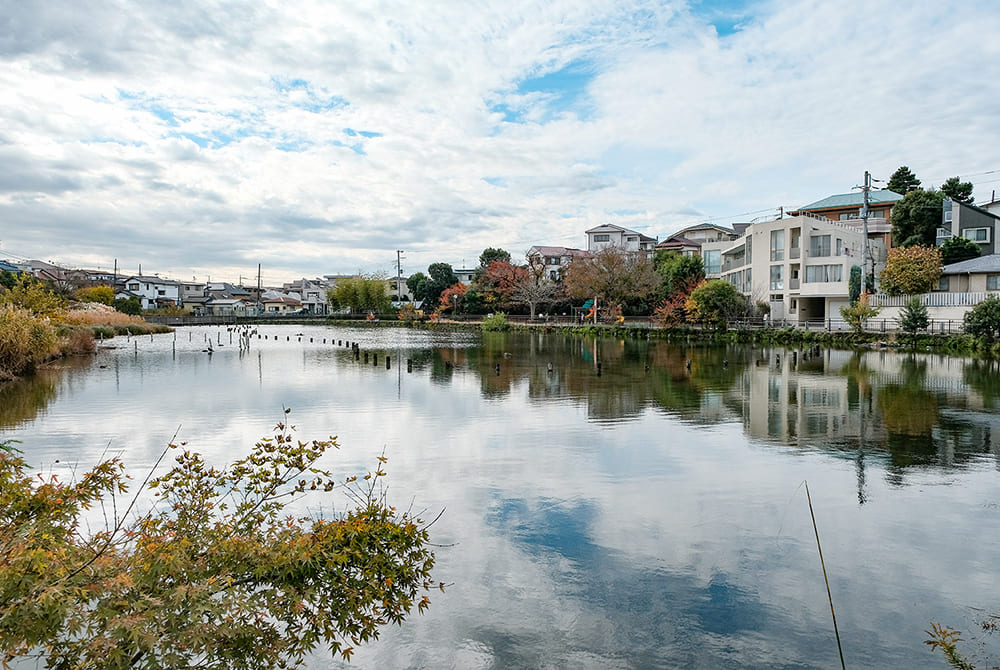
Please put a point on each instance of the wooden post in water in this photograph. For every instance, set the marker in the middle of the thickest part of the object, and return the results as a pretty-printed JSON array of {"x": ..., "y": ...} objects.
[
  {"x": 387, "y": 366},
  {"x": 409, "y": 365},
  {"x": 374, "y": 359},
  {"x": 598, "y": 368}
]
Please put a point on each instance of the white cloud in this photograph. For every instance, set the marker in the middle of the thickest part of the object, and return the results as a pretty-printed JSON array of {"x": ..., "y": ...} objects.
[{"x": 318, "y": 138}]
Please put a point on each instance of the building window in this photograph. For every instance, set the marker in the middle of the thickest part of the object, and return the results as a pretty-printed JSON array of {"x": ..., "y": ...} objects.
[
  {"x": 133, "y": 287},
  {"x": 161, "y": 292},
  {"x": 942, "y": 284},
  {"x": 777, "y": 245},
  {"x": 713, "y": 261},
  {"x": 777, "y": 297},
  {"x": 552, "y": 260},
  {"x": 824, "y": 273},
  {"x": 777, "y": 278},
  {"x": 981, "y": 235},
  {"x": 794, "y": 305},
  {"x": 840, "y": 247},
  {"x": 993, "y": 282},
  {"x": 631, "y": 238},
  {"x": 602, "y": 237},
  {"x": 819, "y": 246}
]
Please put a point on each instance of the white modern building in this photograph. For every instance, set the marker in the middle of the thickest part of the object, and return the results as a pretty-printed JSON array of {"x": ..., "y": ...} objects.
[
  {"x": 610, "y": 235},
  {"x": 800, "y": 266}
]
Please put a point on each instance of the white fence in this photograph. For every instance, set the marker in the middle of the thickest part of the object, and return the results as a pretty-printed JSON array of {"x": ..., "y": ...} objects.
[{"x": 942, "y": 299}]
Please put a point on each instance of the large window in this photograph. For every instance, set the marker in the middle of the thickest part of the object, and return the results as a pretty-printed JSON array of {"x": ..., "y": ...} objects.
[
  {"x": 819, "y": 246},
  {"x": 977, "y": 234},
  {"x": 993, "y": 282},
  {"x": 713, "y": 261},
  {"x": 777, "y": 245},
  {"x": 824, "y": 273},
  {"x": 602, "y": 237},
  {"x": 777, "y": 278}
]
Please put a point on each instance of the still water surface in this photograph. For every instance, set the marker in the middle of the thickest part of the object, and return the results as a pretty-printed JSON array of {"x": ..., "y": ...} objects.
[{"x": 651, "y": 516}]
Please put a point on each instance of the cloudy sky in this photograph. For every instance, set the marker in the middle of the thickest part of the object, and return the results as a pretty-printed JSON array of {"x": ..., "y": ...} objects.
[{"x": 201, "y": 138}]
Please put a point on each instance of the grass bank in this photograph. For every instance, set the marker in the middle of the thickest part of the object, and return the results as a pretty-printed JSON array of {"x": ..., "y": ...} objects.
[{"x": 29, "y": 339}]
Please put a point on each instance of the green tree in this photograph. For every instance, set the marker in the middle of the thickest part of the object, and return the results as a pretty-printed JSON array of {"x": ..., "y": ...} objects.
[
  {"x": 957, "y": 249},
  {"x": 983, "y": 320},
  {"x": 857, "y": 315},
  {"x": 7, "y": 279},
  {"x": 417, "y": 283},
  {"x": 33, "y": 295},
  {"x": 715, "y": 302},
  {"x": 491, "y": 255},
  {"x": 854, "y": 283},
  {"x": 911, "y": 270},
  {"x": 215, "y": 575},
  {"x": 440, "y": 277},
  {"x": 913, "y": 316},
  {"x": 903, "y": 181},
  {"x": 102, "y": 294},
  {"x": 130, "y": 305},
  {"x": 916, "y": 218},
  {"x": 677, "y": 270},
  {"x": 360, "y": 294},
  {"x": 958, "y": 190}
]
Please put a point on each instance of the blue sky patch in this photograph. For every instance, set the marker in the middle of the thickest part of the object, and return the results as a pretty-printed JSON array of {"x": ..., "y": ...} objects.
[
  {"x": 499, "y": 182},
  {"x": 728, "y": 16},
  {"x": 563, "y": 90}
]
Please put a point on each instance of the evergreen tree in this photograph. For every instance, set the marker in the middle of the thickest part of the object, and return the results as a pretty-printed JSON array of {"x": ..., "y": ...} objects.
[
  {"x": 903, "y": 181},
  {"x": 960, "y": 191},
  {"x": 913, "y": 316},
  {"x": 916, "y": 218}
]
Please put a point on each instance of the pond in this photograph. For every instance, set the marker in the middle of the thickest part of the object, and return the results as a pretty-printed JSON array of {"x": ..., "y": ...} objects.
[{"x": 639, "y": 505}]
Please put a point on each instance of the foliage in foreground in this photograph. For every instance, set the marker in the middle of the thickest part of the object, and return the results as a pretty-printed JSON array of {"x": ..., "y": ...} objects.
[{"x": 215, "y": 575}]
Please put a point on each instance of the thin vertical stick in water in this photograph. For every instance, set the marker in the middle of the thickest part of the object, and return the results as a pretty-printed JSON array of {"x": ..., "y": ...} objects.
[{"x": 825, "y": 579}]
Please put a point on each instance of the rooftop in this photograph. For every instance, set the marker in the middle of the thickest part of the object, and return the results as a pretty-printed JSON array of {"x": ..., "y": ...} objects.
[
  {"x": 853, "y": 199},
  {"x": 989, "y": 263}
]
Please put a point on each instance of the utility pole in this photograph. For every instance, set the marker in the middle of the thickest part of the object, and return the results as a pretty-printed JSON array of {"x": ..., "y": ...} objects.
[
  {"x": 399, "y": 275},
  {"x": 866, "y": 253}
]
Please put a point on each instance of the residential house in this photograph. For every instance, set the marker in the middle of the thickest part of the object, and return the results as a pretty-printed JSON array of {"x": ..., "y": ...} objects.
[
  {"x": 554, "y": 260},
  {"x": 191, "y": 290},
  {"x": 962, "y": 286},
  {"x": 312, "y": 292},
  {"x": 466, "y": 275},
  {"x": 280, "y": 304},
  {"x": 681, "y": 245},
  {"x": 225, "y": 307},
  {"x": 82, "y": 278},
  {"x": 800, "y": 266},
  {"x": 6, "y": 266},
  {"x": 847, "y": 207},
  {"x": 960, "y": 219},
  {"x": 152, "y": 291},
  {"x": 610, "y": 235},
  {"x": 710, "y": 232}
]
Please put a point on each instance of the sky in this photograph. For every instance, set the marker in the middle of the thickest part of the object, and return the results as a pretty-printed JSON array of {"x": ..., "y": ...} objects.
[{"x": 201, "y": 138}]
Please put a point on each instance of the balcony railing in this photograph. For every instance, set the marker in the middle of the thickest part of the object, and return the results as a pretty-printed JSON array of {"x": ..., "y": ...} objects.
[{"x": 794, "y": 252}]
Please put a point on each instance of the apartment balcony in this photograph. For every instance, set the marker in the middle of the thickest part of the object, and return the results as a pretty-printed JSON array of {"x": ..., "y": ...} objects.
[
  {"x": 793, "y": 284},
  {"x": 794, "y": 252}
]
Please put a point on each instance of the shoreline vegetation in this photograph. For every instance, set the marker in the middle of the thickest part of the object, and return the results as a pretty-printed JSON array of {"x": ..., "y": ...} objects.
[
  {"x": 29, "y": 338},
  {"x": 949, "y": 343}
]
